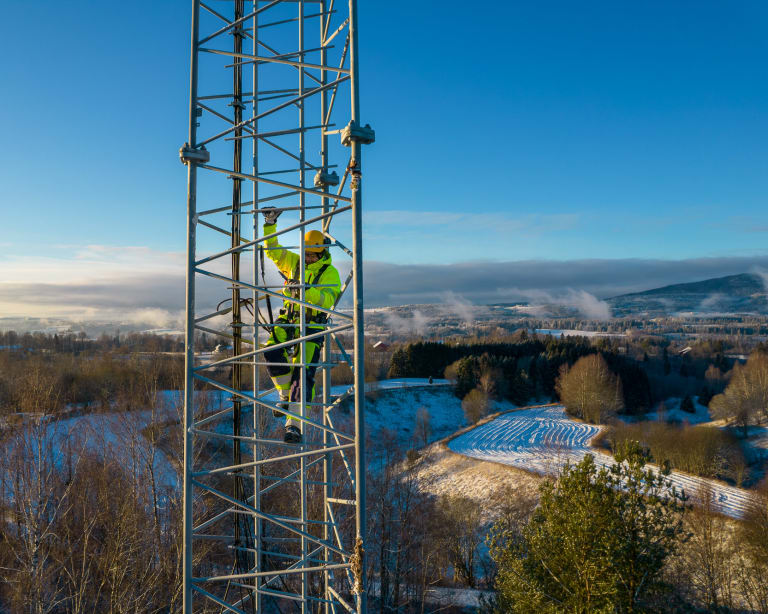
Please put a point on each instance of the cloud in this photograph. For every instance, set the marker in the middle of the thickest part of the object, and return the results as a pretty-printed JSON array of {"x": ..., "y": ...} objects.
[
  {"x": 588, "y": 305},
  {"x": 136, "y": 285},
  {"x": 416, "y": 324},
  {"x": 139, "y": 284},
  {"x": 455, "y": 305},
  {"x": 78, "y": 264},
  {"x": 492, "y": 282},
  {"x": 762, "y": 274},
  {"x": 712, "y": 301}
]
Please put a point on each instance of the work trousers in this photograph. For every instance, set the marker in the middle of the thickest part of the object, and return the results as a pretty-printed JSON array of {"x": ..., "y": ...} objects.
[{"x": 287, "y": 376}]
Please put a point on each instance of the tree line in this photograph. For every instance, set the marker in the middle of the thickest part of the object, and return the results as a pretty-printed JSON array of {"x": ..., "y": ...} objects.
[
  {"x": 518, "y": 371},
  {"x": 49, "y": 383},
  {"x": 76, "y": 343}
]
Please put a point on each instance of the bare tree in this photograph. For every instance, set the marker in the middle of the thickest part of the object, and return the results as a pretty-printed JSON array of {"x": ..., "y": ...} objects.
[
  {"x": 38, "y": 392},
  {"x": 422, "y": 430},
  {"x": 589, "y": 390},
  {"x": 745, "y": 400},
  {"x": 753, "y": 545},
  {"x": 475, "y": 405},
  {"x": 403, "y": 546},
  {"x": 491, "y": 382},
  {"x": 36, "y": 498},
  {"x": 461, "y": 518},
  {"x": 709, "y": 553}
]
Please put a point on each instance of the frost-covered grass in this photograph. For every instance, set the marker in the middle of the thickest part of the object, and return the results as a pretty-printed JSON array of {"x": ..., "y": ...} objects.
[{"x": 543, "y": 439}]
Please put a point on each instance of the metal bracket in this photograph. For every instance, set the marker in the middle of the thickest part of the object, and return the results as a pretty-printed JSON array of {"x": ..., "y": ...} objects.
[
  {"x": 360, "y": 134},
  {"x": 324, "y": 179},
  {"x": 187, "y": 154}
]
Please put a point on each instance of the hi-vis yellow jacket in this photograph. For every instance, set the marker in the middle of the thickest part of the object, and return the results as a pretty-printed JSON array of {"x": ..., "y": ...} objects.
[{"x": 288, "y": 263}]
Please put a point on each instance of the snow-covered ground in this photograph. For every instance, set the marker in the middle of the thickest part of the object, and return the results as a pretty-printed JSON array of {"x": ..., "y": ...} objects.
[
  {"x": 403, "y": 382},
  {"x": 116, "y": 435},
  {"x": 542, "y": 439},
  {"x": 119, "y": 434},
  {"x": 397, "y": 409},
  {"x": 671, "y": 412},
  {"x": 440, "y": 472}
]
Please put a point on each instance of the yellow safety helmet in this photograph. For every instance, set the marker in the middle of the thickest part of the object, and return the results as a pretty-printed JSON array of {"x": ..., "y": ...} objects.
[{"x": 314, "y": 241}]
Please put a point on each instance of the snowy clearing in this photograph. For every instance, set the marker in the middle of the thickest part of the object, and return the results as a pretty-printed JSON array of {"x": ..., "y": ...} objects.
[
  {"x": 543, "y": 439},
  {"x": 397, "y": 409},
  {"x": 671, "y": 412}
]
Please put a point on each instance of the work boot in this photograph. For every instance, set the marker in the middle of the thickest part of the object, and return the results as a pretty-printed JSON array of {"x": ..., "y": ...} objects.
[
  {"x": 276, "y": 412},
  {"x": 282, "y": 403},
  {"x": 292, "y": 434}
]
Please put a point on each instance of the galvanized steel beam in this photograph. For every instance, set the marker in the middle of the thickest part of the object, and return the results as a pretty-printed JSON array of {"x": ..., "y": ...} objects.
[{"x": 280, "y": 525}]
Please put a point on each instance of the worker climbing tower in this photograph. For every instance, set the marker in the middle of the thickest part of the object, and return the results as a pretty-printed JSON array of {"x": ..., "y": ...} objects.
[{"x": 274, "y": 121}]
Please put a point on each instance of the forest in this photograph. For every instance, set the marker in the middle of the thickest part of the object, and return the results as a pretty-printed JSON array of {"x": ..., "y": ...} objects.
[{"x": 68, "y": 543}]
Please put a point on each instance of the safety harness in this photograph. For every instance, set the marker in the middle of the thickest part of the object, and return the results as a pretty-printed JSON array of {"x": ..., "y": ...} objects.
[{"x": 318, "y": 317}]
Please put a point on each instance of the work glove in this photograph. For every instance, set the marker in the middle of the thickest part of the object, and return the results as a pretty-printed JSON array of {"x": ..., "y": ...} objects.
[
  {"x": 270, "y": 215},
  {"x": 293, "y": 286}
]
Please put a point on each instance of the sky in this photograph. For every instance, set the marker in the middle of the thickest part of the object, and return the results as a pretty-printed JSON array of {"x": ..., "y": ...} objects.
[{"x": 598, "y": 146}]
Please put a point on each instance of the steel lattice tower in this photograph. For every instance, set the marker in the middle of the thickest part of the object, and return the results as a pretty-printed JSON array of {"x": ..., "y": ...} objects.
[{"x": 267, "y": 523}]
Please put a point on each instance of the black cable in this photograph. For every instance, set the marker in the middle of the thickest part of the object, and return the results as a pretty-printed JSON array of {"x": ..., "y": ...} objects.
[{"x": 264, "y": 281}]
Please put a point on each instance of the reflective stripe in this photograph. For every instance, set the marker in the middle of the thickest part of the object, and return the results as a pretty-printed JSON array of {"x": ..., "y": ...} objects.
[{"x": 283, "y": 382}]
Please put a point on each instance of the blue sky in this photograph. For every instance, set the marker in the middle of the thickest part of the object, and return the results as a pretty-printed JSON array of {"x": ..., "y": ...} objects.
[{"x": 508, "y": 132}]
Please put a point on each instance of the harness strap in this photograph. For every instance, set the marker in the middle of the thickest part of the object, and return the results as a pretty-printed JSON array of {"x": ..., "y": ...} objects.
[
  {"x": 264, "y": 280},
  {"x": 320, "y": 272},
  {"x": 321, "y": 316}
]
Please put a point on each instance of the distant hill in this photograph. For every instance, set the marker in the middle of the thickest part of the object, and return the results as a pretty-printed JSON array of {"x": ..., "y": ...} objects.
[{"x": 744, "y": 293}]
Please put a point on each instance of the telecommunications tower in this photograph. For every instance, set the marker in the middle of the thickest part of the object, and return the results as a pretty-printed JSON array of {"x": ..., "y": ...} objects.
[{"x": 274, "y": 121}]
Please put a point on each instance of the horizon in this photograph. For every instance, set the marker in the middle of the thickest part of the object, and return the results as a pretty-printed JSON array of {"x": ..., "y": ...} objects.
[{"x": 537, "y": 305}]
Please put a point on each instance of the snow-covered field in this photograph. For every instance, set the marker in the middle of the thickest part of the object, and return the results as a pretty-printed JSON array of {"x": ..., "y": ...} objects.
[{"x": 542, "y": 439}]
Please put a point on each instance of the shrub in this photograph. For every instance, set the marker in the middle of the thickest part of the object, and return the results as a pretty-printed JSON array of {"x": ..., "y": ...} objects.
[
  {"x": 701, "y": 450},
  {"x": 475, "y": 405}
]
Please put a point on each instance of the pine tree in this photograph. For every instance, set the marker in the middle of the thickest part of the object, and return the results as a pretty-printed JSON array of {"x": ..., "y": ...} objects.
[{"x": 596, "y": 544}]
